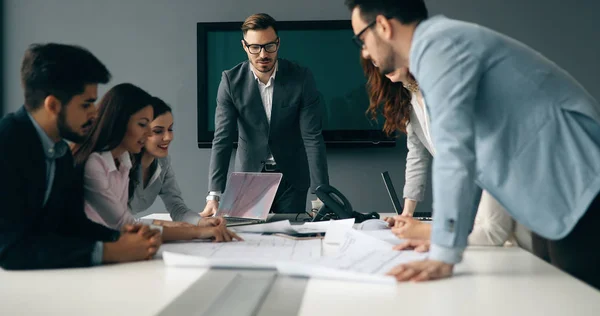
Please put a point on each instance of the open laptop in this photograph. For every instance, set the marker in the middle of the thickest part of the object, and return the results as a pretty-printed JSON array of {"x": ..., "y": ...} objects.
[
  {"x": 248, "y": 197},
  {"x": 396, "y": 202}
]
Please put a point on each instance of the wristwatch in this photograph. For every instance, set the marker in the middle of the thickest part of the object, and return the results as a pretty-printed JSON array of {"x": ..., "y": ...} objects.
[{"x": 211, "y": 197}]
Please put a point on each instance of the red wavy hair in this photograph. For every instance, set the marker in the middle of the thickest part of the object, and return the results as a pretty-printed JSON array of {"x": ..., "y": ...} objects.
[{"x": 388, "y": 98}]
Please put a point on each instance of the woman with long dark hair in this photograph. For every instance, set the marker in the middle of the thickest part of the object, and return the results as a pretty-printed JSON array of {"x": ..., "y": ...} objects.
[
  {"x": 152, "y": 175},
  {"x": 121, "y": 129},
  {"x": 398, "y": 98}
]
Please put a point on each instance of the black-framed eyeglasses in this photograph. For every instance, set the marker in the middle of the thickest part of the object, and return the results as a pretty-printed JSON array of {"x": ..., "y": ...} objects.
[
  {"x": 356, "y": 38},
  {"x": 268, "y": 47}
]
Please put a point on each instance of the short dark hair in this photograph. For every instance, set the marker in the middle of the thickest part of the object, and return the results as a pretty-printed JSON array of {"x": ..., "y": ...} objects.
[
  {"x": 59, "y": 70},
  {"x": 114, "y": 111},
  {"x": 405, "y": 11},
  {"x": 259, "y": 21}
]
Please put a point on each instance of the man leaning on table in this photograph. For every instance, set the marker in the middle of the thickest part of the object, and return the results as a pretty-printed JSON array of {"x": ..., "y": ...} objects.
[
  {"x": 42, "y": 221},
  {"x": 277, "y": 109},
  {"x": 504, "y": 119}
]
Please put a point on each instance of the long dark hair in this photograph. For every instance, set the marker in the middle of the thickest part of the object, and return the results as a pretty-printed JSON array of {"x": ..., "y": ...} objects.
[
  {"x": 114, "y": 111},
  {"x": 388, "y": 98},
  {"x": 160, "y": 108}
]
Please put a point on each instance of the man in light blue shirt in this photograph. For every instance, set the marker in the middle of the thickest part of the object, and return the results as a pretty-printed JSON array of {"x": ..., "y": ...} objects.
[{"x": 504, "y": 119}]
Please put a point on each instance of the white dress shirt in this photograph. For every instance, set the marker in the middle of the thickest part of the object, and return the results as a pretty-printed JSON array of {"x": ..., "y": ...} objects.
[
  {"x": 106, "y": 190},
  {"x": 266, "y": 95}
]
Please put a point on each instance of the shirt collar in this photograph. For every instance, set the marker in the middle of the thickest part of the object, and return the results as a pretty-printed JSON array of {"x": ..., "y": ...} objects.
[
  {"x": 253, "y": 70},
  {"x": 52, "y": 150},
  {"x": 110, "y": 161},
  {"x": 155, "y": 167}
]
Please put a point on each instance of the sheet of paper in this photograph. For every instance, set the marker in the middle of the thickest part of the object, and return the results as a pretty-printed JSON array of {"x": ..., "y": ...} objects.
[
  {"x": 256, "y": 251},
  {"x": 336, "y": 230},
  {"x": 321, "y": 227},
  {"x": 360, "y": 258}
]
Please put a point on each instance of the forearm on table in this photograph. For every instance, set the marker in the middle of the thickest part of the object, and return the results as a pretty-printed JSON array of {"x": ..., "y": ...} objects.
[{"x": 179, "y": 233}]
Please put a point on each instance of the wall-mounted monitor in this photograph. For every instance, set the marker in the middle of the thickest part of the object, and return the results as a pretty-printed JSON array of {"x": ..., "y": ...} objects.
[{"x": 326, "y": 48}]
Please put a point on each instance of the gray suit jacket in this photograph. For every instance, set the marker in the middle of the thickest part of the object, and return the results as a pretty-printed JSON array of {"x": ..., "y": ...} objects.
[
  {"x": 293, "y": 136},
  {"x": 163, "y": 184},
  {"x": 506, "y": 120}
]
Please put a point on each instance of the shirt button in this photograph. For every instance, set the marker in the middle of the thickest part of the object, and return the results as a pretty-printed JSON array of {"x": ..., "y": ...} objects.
[
  {"x": 51, "y": 150},
  {"x": 450, "y": 225}
]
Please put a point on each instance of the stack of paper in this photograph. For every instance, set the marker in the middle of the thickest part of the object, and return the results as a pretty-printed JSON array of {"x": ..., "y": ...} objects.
[
  {"x": 359, "y": 256},
  {"x": 256, "y": 251}
]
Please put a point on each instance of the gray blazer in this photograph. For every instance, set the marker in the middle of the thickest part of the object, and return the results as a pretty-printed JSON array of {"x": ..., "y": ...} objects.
[
  {"x": 417, "y": 160},
  {"x": 506, "y": 120},
  {"x": 293, "y": 136},
  {"x": 163, "y": 184}
]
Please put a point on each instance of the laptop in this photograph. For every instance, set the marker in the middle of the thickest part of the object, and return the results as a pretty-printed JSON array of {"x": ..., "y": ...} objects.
[
  {"x": 396, "y": 202},
  {"x": 248, "y": 197}
]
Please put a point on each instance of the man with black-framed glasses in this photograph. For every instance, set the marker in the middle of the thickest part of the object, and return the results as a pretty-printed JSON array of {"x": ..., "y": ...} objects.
[
  {"x": 504, "y": 119},
  {"x": 276, "y": 108}
]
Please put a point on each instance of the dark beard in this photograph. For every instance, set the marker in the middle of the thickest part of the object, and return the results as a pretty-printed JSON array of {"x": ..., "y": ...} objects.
[
  {"x": 66, "y": 132},
  {"x": 256, "y": 66},
  {"x": 388, "y": 65}
]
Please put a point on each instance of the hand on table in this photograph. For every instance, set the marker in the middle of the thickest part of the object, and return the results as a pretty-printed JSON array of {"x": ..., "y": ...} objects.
[
  {"x": 419, "y": 271},
  {"x": 418, "y": 245},
  {"x": 210, "y": 209},
  {"x": 218, "y": 234},
  {"x": 212, "y": 222},
  {"x": 410, "y": 228}
]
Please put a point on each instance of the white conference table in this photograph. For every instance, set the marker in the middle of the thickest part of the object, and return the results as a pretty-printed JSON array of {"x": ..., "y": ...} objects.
[{"x": 490, "y": 281}]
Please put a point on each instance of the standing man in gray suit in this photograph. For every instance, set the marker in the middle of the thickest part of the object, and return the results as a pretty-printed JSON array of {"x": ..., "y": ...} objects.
[{"x": 277, "y": 109}]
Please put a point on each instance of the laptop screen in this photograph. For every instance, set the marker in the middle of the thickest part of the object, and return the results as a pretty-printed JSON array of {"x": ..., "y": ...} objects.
[
  {"x": 249, "y": 195},
  {"x": 392, "y": 192}
]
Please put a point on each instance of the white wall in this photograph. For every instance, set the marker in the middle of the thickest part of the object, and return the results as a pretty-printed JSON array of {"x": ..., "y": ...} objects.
[{"x": 153, "y": 44}]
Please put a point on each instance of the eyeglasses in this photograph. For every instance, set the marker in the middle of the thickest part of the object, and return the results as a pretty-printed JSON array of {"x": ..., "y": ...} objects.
[
  {"x": 256, "y": 48},
  {"x": 356, "y": 38}
]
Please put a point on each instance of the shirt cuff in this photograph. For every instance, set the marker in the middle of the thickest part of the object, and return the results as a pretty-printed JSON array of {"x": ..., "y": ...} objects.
[
  {"x": 149, "y": 222},
  {"x": 445, "y": 254},
  {"x": 157, "y": 227},
  {"x": 146, "y": 221},
  {"x": 192, "y": 218},
  {"x": 217, "y": 193},
  {"x": 97, "y": 253}
]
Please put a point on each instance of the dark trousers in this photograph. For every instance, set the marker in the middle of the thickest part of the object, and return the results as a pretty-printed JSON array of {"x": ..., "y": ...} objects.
[
  {"x": 288, "y": 199},
  {"x": 578, "y": 254}
]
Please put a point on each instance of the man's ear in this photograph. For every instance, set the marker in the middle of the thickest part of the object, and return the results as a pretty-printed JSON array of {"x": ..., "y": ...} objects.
[
  {"x": 384, "y": 26},
  {"x": 52, "y": 104},
  {"x": 244, "y": 45}
]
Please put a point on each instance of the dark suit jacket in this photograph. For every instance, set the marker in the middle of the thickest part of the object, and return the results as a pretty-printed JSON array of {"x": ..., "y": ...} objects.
[
  {"x": 33, "y": 236},
  {"x": 293, "y": 136}
]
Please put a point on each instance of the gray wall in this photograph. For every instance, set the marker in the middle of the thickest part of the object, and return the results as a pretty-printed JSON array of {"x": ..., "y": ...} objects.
[{"x": 153, "y": 44}]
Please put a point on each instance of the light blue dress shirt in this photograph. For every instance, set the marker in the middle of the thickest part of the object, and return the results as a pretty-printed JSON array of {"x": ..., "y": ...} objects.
[
  {"x": 54, "y": 151},
  {"x": 507, "y": 120}
]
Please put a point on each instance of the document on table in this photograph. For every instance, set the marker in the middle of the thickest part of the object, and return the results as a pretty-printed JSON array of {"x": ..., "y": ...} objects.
[
  {"x": 286, "y": 227},
  {"x": 256, "y": 251},
  {"x": 360, "y": 258}
]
